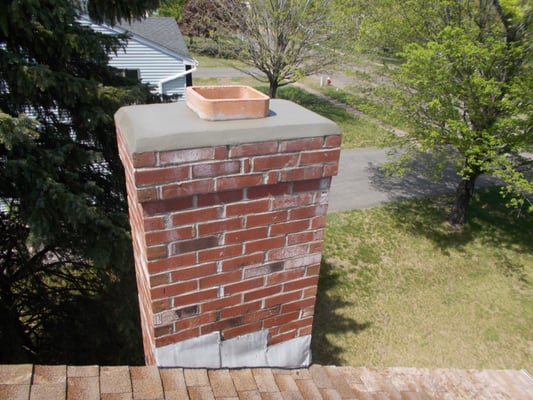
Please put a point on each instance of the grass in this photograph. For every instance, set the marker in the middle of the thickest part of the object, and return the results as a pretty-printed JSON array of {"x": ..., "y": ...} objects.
[
  {"x": 357, "y": 132},
  {"x": 399, "y": 288}
]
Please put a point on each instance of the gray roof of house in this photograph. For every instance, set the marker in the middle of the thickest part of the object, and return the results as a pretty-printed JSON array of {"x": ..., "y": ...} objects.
[{"x": 163, "y": 31}]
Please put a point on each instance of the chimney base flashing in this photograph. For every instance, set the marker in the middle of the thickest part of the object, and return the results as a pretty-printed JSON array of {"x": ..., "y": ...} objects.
[{"x": 246, "y": 351}]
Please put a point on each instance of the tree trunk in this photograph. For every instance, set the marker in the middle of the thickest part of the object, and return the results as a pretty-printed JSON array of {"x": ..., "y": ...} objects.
[
  {"x": 463, "y": 195},
  {"x": 273, "y": 89}
]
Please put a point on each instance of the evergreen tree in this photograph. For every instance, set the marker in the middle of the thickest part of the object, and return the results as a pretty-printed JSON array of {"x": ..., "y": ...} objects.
[{"x": 67, "y": 291}]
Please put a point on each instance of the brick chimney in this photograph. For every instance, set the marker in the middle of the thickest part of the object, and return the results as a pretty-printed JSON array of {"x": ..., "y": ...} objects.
[{"x": 227, "y": 222}]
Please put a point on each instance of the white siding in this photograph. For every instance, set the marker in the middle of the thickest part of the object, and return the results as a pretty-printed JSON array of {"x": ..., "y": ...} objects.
[{"x": 154, "y": 65}]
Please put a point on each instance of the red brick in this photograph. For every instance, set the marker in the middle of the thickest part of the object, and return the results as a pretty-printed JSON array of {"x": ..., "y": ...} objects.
[
  {"x": 169, "y": 235},
  {"x": 262, "y": 270},
  {"x": 243, "y": 261},
  {"x": 160, "y": 305},
  {"x": 154, "y": 224},
  {"x": 147, "y": 194},
  {"x": 188, "y": 188},
  {"x": 241, "y": 330},
  {"x": 331, "y": 170},
  {"x": 289, "y": 227},
  {"x": 196, "y": 271},
  {"x": 220, "y": 253},
  {"x": 266, "y": 218},
  {"x": 251, "y": 149},
  {"x": 261, "y": 293},
  {"x": 279, "y": 320},
  {"x": 195, "y": 298},
  {"x": 287, "y": 252},
  {"x": 215, "y": 199},
  {"x": 245, "y": 235},
  {"x": 171, "y": 263},
  {"x": 300, "y": 284},
  {"x": 264, "y": 244},
  {"x": 186, "y": 155},
  {"x": 301, "y": 144},
  {"x": 296, "y": 324},
  {"x": 283, "y": 298},
  {"x": 308, "y": 211},
  {"x": 310, "y": 291},
  {"x": 156, "y": 252},
  {"x": 221, "y": 303},
  {"x": 156, "y": 176},
  {"x": 318, "y": 222},
  {"x": 306, "y": 330},
  {"x": 292, "y": 201},
  {"x": 261, "y": 314},
  {"x": 218, "y": 226},
  {"x": 316, "y": 247},
  {"x": 271, "y": 177},
  {"x": 158, "y": 280},
  {"x": 238, "y": 182},
  {"x": 308, "y": 312},
  {"x": 167, "y": 291},
  {"x": 305, "y": 237},
  {"x": 308, "y": 259},
  {"x": 321, "y": 156},
  {"x": 186, "y": 246},
  {"x": 165, "y": 206},
  {"x": 244, "y": 286},
  {"x": 177, "y": 337},
  {"x": 198, "y": 320},
  {"x": 268, "y": 191},
  {"x": 312, "y": 185},
  {"x": 246, "y": 166},
  {"x": 333, "y": 141},
  {"x": 221, "y": 152},
  {"x": 143, "y": 160},
  {"x": 187, "y": 312},
  {"x": 221, "y": 325},
  {"x": 248, "y": 207},
  {"x": 162, "y": 331},
  {"x": 240, "y": 309},
  {"x": 216, "y": 169},
  {"x": 285, "y": 276},
  {"x": 298, "y": 305},
  {"x": 220, "y": 279},
  {"x": 277, "y": 161},
  {"x": 281, "y": 338},
  {"x": 301, "y": 174},
  {"x": 195, "y": 216},
  {"x": 312, "y": 270}
]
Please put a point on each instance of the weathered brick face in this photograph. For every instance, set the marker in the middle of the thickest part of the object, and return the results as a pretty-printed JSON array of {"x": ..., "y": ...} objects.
[{"x": 229, "y": 238}]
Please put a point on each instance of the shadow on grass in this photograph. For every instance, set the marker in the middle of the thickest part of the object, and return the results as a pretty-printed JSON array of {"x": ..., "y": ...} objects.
[
  {"x": 328, "y": 318},
  {"x": 489, "y": 222}
]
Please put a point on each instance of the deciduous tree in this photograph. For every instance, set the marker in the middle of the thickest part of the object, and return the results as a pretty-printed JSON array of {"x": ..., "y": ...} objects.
[
  {"x": 466, "y": 82},
  {"x": 284, "y": 40}
]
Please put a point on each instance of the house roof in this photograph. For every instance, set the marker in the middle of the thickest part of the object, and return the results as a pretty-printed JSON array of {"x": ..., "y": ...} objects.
[
  {"x": 316, "y": 382},
  {"x": 163, "y": 31}
]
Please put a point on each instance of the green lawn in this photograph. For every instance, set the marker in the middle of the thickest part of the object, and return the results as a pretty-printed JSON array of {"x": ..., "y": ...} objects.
[
  {"x": 357, "y": 132},
  {"x": 399, "y": 288}
]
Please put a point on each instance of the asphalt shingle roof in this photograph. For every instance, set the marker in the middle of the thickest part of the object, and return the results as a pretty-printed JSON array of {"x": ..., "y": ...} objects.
[{"x": 163, "y": 31}]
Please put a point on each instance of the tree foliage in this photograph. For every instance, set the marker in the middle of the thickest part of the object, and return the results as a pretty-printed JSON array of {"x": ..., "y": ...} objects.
[
  {"x": 66, "y": 270},
  {"x": 466, "y": 82},
  {"x": 284, "y": 40},
  {"x": 171, "y": 8},
  {"x": 203, "y": 18}
]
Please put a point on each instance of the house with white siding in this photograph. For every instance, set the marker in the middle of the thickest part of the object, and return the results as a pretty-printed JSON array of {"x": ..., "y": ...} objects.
[{"x": 155, "y": 53}]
